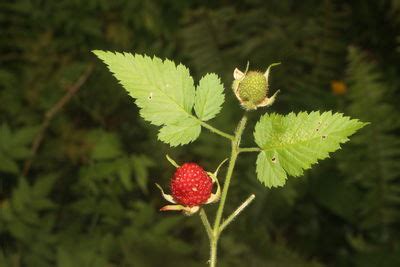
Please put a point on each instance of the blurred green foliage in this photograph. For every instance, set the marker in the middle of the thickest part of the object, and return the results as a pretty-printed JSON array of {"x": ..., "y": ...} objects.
[{"x": 88, "y": 198}]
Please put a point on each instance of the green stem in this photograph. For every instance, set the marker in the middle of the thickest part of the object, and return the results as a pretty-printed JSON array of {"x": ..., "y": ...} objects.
[
  {"x": 225, "y": 189},
  {"x": 215, "y": 130},
  {"x": 234, "y": 154},
  {"x": 231, "y": 217},
  {"x": 213, "y": 252},
  {"x": 249, "y": 149},
  {"x": 206, "y": 223}
]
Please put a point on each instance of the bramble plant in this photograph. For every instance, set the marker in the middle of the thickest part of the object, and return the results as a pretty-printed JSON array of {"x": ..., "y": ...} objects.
[{"x": 286, "y": 145}]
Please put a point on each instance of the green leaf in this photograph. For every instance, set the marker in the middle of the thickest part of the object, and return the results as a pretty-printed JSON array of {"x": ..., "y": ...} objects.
[
  {"x": 15, "y": 145},
  {"x": 21, "y": 196},
  {"x": 209, "y": 97},
  {"x": 105, "y": 145},
  {"x": 141, "y": 164},
  {"x": 8, "y": 165},
  {"x": 19, "y": 152},
  {"x": 25, "y": 136},
  {"x": 269, "y": 173},
  {"x": 44, "y": 185},
  {"x": 291, "y": 144},
  {"x": 124, "y": 171},
  {"x": 5, "y": 136},
  {"x": 180, "y": 133},
  {"x": 65, "y": 259},
  {"x": 164, "y": 93}
]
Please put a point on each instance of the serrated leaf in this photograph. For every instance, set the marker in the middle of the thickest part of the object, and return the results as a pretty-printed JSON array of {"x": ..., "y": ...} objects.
[
  {"x": 209, "y": 97},
  {"x": 163, "y": 91},
  {"x": 141, "y": 164},
  {"x": 180, "y": 133},
  {"x": 291, "y": 144},
  {"x": 21, "y": 196},
  {"x": 268, "y": 172},
  {"x": 124, "y": 171}
]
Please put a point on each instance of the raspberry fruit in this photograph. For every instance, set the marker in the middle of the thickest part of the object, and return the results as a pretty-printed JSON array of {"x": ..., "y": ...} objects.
[{"x": 191, "y": 185}]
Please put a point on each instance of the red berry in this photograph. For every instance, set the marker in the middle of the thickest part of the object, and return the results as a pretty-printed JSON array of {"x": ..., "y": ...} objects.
[{"x": 191, "y": 185}]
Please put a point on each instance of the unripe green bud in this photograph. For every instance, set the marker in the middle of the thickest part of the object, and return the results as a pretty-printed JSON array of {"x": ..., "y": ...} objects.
[{"x": 253, "y": 89}]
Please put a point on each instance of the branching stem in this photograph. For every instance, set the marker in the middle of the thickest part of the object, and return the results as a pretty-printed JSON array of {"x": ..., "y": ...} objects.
[
  {"x": 232, "y": 161},
  {"x": 231, "y": 217},
  {"x": 214, "y": 232}
]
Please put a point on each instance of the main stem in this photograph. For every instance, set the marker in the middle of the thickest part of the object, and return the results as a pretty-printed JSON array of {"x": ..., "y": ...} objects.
[{"x": 235, "y": 150}]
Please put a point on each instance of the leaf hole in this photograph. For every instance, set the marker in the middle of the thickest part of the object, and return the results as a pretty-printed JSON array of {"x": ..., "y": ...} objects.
[{"x": 273, "y": 159}]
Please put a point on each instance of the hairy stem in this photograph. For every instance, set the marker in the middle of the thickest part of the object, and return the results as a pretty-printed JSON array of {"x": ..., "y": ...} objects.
[
  {"x": 206, "y": 223},
  {"x": 232, "y": 161},
  {"x": 213, "y": 251},
  {"x": 231, "y": 217}
]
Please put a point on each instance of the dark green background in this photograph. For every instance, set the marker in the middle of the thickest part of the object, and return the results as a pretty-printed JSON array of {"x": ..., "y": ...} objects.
[{"x": 89, "y": 197}]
